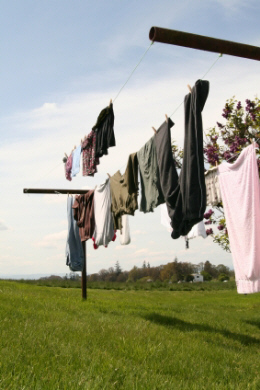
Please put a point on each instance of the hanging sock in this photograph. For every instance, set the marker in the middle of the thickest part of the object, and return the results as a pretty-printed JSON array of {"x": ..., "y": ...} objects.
[{"x": 125, "y": 238}]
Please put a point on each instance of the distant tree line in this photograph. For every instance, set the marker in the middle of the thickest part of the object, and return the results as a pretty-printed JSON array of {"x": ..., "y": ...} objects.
[{"x": 172, "y": 272}]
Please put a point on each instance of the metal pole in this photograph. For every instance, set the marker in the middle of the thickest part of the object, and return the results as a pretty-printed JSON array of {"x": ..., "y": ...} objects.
[
  {"x": 84, "y": 272},
  {"x": 194, "y": 41}
]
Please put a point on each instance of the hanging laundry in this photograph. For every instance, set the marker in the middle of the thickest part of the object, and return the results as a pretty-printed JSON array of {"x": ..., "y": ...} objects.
[
  {"x": 240, "y": 190},
  {"x": 122, "y": 201},
  {"x": 151, "y": 192},
  {"x": 74, "y": 251},
  {"x": 167, "y": 171},
  {"x": 104, "y": 227},
  {"x": 76, "y": 161},
  {"x": 212, "y": 187},
  {"x": 131, "y": 175},
  {"x": 84, "y": 214},
  {"x": 196, "y": 231},
  {"x": 68, "y": 167},
  {"x": 104, "y": 129},
  {"x": 89, "y": 159},
  {"x": 125, "y": 232},
  {"x": 190, "y": 193}
]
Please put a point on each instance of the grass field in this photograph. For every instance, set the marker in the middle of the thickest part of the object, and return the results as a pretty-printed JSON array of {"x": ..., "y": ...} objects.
[{"x": 127, "y": 339}]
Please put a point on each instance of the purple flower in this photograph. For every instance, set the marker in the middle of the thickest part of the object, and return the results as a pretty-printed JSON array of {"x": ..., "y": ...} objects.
[
  {"x": 221, "y": 227},
  {"x": 220, "y": 125},
  {"x": 239, "y": 105},
  {"x": 209, "y": 231},
  {"x": 209, "y": 222},
  {"x": 208, "y": 214}
]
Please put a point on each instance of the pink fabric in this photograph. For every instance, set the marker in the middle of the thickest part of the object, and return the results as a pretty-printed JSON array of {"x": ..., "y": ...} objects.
[
  {"x": 240, "y": 190},
  {"x": 68, "y": 167}
]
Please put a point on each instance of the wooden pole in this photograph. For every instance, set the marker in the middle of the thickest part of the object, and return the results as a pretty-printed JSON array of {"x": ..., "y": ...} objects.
[
  {"x": 84, "y": 272},
  {"x": 201, "y": 42},
  {"x": 52, "y": 191},
  {"x": 84, "y": 247}
]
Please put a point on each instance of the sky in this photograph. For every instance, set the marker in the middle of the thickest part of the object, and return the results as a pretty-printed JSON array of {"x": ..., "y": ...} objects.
[{"x": 61, "y": 63}]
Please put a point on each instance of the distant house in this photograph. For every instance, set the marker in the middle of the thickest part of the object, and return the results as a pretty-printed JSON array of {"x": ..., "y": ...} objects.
[{"x": 197, "y": 278}]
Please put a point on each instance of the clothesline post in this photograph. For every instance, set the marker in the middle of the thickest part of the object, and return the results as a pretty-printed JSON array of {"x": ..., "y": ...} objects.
[
  {"x": 84, "y": 272},
  {"x": 66, "y": 192},
  {"x": 201, "y": 42}
]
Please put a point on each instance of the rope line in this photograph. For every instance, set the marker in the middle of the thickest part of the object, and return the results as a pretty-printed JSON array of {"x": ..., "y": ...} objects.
[
  {"x": 219, "y": 56},
  {"x": 131, "y": 74}
]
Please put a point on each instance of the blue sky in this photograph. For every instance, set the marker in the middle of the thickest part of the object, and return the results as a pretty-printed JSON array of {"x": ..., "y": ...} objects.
[{"x": 61, "y": 62}]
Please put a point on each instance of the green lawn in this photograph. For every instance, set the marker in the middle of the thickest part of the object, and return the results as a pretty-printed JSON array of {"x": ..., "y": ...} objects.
[{"x": 51, "y": 339}]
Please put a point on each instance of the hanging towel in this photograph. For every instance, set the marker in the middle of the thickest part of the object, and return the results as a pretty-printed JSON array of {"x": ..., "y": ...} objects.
[
  {"x": 74, "y": 251},
  {"x": 167, "y": 170},
  {"x": 125, "y": 233},
  {"x": 84, "y": 214},
  {"x": 212, "y": 187},
  {"x": 89, "y": 159},
  {"x": 151, "y": 192},
  {"x": 104, "y": 226},
  {"x": 190, "y": 194},
  {"x": 76, "y": 161},
  {"x": 104, "y": 129},
  {"x": 240, "y": 190},
  {"x": 122, "y": 201}
]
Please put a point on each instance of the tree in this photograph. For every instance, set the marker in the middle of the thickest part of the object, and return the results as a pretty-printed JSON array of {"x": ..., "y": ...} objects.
[
  {"x": 206, "y": 275},
  {"x": 118, "y": 269},
  {"x": 222, "y": 277}
]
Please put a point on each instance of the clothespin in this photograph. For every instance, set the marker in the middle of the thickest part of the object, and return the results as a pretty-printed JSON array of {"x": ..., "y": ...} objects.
[
  {"x": 110, "y": 102},
  {"x": 154, "y": 130},
  {"x": 188, "y": 85},
  {"x": 166, "y": 118}
]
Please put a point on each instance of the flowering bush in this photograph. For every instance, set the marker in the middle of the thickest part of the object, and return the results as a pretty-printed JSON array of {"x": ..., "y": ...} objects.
[{"x": 224, "y": 142}]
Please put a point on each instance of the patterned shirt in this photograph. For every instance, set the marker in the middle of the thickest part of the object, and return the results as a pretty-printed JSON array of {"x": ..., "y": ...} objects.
[{"x": 89, "y": 161}]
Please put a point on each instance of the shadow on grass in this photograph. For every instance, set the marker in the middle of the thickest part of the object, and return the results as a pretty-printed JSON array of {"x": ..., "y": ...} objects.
[
  {"x": 254, "y": 323},
  {"x": 189, "y": 327}
]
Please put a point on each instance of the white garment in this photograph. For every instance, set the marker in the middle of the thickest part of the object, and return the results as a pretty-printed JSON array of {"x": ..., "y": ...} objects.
[
  {"x": 125, "y": 238},
  {"x": 212, "y": 187},
  {"x": 197, "y": 230},
  {"x": 104, "y": 226},
  {"x": 76, "y": 161},
  {"x": 240, "y": 190}
]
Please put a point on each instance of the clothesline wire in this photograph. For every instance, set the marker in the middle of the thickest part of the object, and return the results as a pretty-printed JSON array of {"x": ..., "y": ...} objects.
[
  {"x": 211, "y": 66},
  {"x": 131, "y": 74},
  {"x": 120, "y": 90},
  {"x": 47, "y": 173}
]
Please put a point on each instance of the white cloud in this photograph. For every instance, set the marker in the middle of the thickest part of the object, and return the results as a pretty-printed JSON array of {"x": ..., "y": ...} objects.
[
  {"x": 3, "y": 226},
  {"x": 51, "y": 240}
]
